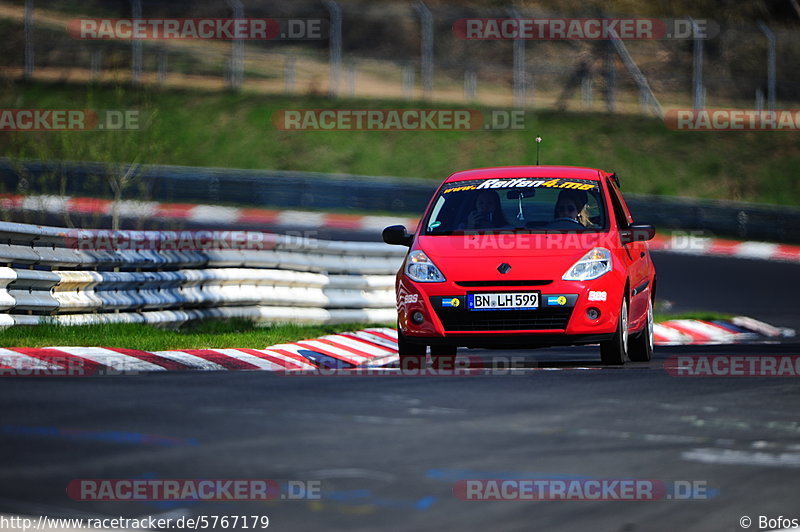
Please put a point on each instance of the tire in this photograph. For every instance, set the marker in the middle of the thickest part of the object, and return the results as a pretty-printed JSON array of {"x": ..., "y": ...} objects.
[
  {"x": 615, "y": 351},
  {"x": 640, "y": 347},
  {"x": 412, "y": 356},
  {"x": 444, "y": 356}
]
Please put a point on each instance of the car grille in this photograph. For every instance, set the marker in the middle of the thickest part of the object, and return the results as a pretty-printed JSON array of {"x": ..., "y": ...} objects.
[
  {"x": 504, "y": 320},
  {"x": 503, "y": 283}
]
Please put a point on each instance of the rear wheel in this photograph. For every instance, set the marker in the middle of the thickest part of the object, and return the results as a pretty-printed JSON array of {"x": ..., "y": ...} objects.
[
  {"x": 412, "y": 356},
  {"x": 615, "y": 351},
  {"x": 444, "y": 356},
  {"x": 641, "y": 345}
]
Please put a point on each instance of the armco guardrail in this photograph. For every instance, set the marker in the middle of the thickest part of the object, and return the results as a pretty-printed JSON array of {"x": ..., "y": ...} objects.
[
  {"x": 317, "y": 191},
  {"x": 64, "y": 276}
]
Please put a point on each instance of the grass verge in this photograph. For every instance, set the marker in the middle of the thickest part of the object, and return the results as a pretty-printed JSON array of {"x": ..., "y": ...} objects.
[
  {"x": 226, "y": 129},
  {"x": 692, "y": 315},
  {"x": 233, "y": 333}
]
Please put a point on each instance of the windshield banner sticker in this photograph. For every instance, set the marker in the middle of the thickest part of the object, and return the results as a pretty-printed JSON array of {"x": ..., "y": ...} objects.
[{"x": 525, "y": 183}]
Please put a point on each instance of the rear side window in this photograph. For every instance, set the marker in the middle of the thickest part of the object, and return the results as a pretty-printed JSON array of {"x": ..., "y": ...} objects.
[{"x": 621, "y": 212}]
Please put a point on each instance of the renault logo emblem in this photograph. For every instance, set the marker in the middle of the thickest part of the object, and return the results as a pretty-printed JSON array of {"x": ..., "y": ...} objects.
[{"x": 504, "y": 268}]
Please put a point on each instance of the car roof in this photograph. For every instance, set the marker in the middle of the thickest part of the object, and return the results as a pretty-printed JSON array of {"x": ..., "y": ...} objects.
[{"x": 500, "y": 172}]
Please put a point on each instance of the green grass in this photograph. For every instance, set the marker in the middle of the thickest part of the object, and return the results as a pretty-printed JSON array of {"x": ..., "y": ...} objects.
[
  {"x": 692, "y": 315},
  {"x": 234, "y": 333},
  {"x": 226, "y": 129}
]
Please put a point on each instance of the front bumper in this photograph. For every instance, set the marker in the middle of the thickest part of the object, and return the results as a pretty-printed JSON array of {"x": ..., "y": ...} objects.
[{"x": 561, "y": 318}]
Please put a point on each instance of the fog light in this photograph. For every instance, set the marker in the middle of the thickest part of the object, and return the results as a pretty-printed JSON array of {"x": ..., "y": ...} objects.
[
  {"x": 417, "y": 317},
  {"x": 592, "y": 313}
]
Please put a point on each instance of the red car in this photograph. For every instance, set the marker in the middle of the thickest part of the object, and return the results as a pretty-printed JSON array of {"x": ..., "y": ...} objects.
[{"x": 524, "y": 257}]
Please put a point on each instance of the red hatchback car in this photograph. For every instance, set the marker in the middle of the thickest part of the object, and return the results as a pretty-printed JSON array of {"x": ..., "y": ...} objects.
[{"x": 524, "y": 257}]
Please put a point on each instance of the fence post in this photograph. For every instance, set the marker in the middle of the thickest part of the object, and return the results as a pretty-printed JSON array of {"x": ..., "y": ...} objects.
[
  {"x": 136, "y": 45},
  {"x": 289, "y": 74},
  {"x": 586, "y": 91},
  {"x": 408, "y": 82},
  {"x": 698, "y": 90},
  {"x": 350, "y": 79},
  {"x": 335, "y": 44},
  {"x": 28, "y": 39},
  {"x": 610, "y": 77},
  {"x": 470, "y": 85},
  {"x": 426, "y": 47},
  {"x": 770, "y": 64},
  {"x": 236, "y": 74},
  {"x": 646, "y": 95},
  {"x": 519, "y": 66},
  {"x": 162, "y": 65},
  {"x": 96, "y": 60}
]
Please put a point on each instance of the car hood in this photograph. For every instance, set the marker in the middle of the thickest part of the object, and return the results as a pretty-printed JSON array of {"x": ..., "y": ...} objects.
[{"x": 531, "y": 256}]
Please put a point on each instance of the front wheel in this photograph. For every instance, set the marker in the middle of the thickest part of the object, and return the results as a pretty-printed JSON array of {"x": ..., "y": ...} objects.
[
  {"x": 615, "y": 351},
  {"x": 412, "y": 356},
  {"x": 641, "y": 345}
]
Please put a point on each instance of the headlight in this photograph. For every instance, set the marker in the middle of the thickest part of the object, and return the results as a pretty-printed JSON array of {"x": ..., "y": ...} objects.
[
  {"x": 591, "y": 266},
  {"x": 421, "y": 269}
]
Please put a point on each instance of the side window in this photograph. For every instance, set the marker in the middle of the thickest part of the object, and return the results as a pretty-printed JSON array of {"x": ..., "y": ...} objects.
[
  {"x": 433, "y": 220},
  {"x": 621, "y": 212}
]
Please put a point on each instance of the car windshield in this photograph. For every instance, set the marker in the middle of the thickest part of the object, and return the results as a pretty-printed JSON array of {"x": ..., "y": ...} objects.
[{"x": 520, "y": 205}]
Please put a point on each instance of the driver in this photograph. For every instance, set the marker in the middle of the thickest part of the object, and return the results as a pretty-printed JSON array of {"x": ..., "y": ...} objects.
[{"x": 571, "y": 211}]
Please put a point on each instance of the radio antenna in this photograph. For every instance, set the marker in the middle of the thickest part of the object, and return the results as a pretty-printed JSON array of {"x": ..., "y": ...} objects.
[{"x": 538, "y": 143}]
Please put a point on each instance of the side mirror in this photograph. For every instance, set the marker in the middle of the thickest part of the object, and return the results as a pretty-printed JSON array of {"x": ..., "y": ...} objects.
[
  {"x": 397, "y": 236},
  {"x": 637, "y": 233}
]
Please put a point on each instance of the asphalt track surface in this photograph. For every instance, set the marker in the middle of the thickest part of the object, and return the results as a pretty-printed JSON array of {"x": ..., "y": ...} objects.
[{"x": 388, "y": 450}]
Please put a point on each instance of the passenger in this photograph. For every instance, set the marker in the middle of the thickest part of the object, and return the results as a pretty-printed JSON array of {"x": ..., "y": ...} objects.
[{"x": 487, "y": 213}]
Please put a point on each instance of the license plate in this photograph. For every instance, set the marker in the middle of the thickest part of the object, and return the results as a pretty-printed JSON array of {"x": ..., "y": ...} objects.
[{"x": 503, "y": 301}]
